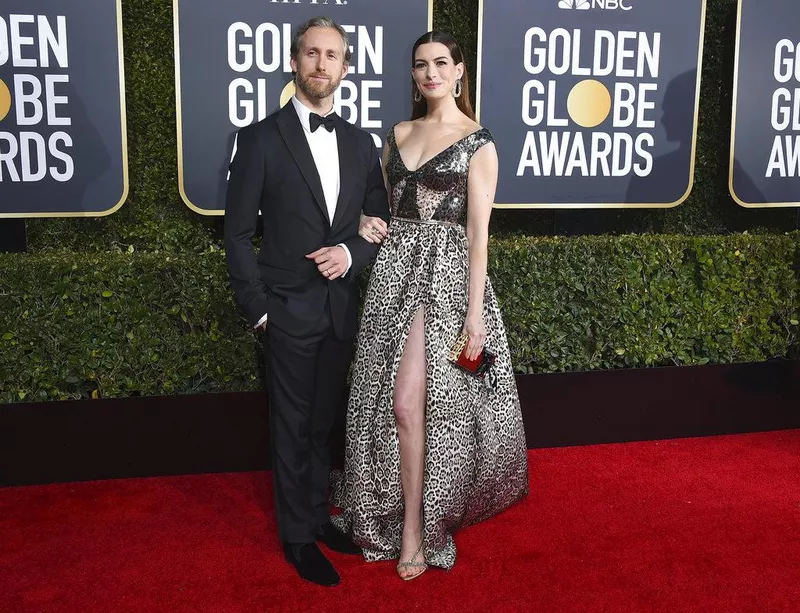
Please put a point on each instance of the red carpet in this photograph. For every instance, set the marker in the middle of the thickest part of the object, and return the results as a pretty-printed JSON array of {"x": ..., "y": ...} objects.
[{"x": 688, "y": 525}]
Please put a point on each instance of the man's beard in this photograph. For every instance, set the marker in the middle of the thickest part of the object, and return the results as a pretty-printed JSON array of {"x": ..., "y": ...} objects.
[{"x": 317, "y": 89}]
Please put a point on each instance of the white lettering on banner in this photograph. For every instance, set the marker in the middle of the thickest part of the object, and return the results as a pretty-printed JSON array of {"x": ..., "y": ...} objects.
[
  {"x": 16, "y": 41},
  {"x": 784, "y": 157},
  {"x": 29, "y": 42},
  {"x": 555, "y": 149},
  {"x": 559, "y": 53},
  {"x": 266, "y": 49}
]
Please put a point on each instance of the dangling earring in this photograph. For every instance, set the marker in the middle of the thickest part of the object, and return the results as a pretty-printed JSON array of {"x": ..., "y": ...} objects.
[
  {"x": 457, "y": 89},
  {"x": 417, "y": 95}
]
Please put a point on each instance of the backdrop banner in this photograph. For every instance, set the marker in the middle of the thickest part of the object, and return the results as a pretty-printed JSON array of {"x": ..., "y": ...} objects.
[
  {"x": 593, "y": 103},
  {"x": 232, "y": 69},
  {"x": 63, "y": 145},
  {"x": 765, "y": 130}
]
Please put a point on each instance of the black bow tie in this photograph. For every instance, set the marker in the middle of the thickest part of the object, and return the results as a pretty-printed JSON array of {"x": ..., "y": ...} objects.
[{"x": 315, "y": 121}]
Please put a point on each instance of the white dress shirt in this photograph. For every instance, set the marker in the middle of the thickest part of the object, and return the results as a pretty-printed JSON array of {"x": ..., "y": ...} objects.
[{"x": 325, "y": 151}]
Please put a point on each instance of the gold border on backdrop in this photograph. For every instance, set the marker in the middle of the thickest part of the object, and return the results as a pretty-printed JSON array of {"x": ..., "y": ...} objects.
[
  {"x": 605, "y": 205},
  {"x": 179, "y": 114},
  {"x": 479, "y": 63},
  {"x": 736, "y": 199},
  {"x": 124, "y": 125}
]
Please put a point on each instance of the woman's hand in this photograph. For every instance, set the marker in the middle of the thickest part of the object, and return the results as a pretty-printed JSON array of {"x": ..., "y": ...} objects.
[
  {"x": 373, "y": 229},
  {"x": 476, "y": 331}
]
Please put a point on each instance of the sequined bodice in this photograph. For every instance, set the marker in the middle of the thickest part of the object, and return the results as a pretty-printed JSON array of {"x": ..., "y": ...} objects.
[{"x": 437, "y": 190}]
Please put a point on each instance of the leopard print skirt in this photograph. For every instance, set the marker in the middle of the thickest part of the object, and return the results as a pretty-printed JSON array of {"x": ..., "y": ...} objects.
[{"x": 475, "y": 452}]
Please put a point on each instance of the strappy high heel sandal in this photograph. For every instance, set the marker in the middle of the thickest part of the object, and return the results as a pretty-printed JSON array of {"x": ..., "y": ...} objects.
[{"x": 412, "y": 563}]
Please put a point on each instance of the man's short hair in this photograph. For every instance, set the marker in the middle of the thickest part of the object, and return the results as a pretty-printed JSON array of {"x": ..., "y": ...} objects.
[{"x": 320, "y": 22}]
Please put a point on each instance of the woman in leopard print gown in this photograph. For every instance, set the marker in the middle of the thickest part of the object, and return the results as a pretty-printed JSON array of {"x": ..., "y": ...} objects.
[{"x": 430, "y": 448}]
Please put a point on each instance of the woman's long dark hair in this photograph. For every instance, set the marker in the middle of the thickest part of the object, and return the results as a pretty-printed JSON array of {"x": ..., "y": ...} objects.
[{"x": 420, "y": 109}]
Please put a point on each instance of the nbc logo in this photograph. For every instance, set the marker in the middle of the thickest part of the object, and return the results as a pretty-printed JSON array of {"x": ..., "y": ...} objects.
[
  {"x": 585, "y": 5},
  {"x": 581, "y": 5}
]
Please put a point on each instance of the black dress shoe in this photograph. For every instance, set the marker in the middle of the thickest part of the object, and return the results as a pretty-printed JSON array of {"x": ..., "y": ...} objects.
[
  {"x": 337, "y": 541},
  {"x": 311, "y": 563}
]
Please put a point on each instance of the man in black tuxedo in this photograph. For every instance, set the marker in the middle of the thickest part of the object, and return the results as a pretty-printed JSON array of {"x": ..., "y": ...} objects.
[{"x": 311, "y": 174}]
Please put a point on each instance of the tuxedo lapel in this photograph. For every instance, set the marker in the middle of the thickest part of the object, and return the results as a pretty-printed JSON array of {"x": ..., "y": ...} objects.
[
  {"x": 348, "y": 159},
  {"x": 292, "y": 133}
]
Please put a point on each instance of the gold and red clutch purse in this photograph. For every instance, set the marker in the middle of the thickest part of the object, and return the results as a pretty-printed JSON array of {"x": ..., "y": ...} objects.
[{"x": 458, "y": 356}]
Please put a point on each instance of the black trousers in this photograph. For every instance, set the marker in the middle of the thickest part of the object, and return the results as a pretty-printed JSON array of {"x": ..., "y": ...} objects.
[{"x": 305, "y": 382}]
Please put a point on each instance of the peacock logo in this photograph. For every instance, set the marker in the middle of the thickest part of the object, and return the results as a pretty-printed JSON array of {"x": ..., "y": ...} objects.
[
  {"x": 585, "y": 5},
  {"x": 580, "y": 5}
]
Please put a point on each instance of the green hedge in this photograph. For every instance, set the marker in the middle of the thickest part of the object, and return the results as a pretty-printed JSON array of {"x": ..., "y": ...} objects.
[
  {"x": 602, "y": 302},
  {"x": 110, "y": 325}
]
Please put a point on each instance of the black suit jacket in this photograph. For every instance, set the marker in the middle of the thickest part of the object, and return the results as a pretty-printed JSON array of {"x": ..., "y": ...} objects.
[{"x": 273, "y": 172}]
